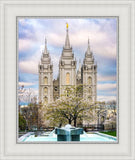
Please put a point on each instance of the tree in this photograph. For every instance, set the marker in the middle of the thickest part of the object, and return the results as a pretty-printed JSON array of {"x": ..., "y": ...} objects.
[
  {"x": 26, "y": 95},
  {"x": 41, "y": 117},
  {"x": 112, "y": 106},
  {"x": 70, "y": 107},
  {"x": 30, "y": 113},
  {"x": 22, "y": 122},
  {"x": 101, "y": 112}
]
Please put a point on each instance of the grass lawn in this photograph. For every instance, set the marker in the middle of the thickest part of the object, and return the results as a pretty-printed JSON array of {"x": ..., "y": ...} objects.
[{"x": 112, "y": 133}]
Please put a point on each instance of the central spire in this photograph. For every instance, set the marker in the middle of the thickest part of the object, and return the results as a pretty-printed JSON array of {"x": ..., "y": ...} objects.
[
  {"x": 88, "y": 49},
  {"x": 45, "y": 50},
  {"x": 67, "y": 43}
]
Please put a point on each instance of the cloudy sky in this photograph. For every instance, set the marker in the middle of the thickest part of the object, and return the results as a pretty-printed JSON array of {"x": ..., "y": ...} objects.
[{"x": 102, "y": 33}]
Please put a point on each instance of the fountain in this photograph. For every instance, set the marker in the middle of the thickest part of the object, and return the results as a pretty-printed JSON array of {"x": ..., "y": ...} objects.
[{"x": 68, "y": 133}]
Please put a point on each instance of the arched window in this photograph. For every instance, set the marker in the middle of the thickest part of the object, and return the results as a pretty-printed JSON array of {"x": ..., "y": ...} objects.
[
  {"x": 56, "y": 88},
  {"x": 90, "y": 99},
  {"x": 90, "y": 91},
  {"x": 102, "y": 119},
  {"x": 89, "y": 80},
  {"x": 45, "y": 100},
  {"x": 45, "y": 91},
  {"x": 45, "y": 80},
  {"x": 68, "y": 78}
]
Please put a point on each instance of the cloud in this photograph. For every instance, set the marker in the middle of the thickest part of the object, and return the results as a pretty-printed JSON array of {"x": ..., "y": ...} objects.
[
  {"x": 28, "y": 66},
  {"x": 26, "y": 84},
  {"x": 102, "y": 78},
  {"x": 100, "y": 31},
  {"x": 100, "y": 42},
  {"x": 106, "y": 98},
  {"x": 106, "y": 67},
  {"x": 25, "y": 44},
  {"x": 35, "y": 92},
  {"x": 102, "y": 34},
  {"x": 106, "y": 86}
]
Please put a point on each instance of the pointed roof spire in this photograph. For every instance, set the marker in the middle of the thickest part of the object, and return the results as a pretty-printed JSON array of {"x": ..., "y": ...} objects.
[
  {"x": 88, "y": 49},
  {"x": 67, "y": 43},
  {"x": 79, "y": 71},
  {"x": 79, "y": 65},
  {"x": 45, "y": 50}
]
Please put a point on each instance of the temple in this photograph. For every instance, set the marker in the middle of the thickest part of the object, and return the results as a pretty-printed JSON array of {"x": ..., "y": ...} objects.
[{"x": 51, "y": 90}]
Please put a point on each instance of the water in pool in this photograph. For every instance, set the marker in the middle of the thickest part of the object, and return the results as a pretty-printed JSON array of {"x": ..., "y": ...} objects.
[
  {"x": 89, "y": 137},
  {"x": 67, "y": 133}
]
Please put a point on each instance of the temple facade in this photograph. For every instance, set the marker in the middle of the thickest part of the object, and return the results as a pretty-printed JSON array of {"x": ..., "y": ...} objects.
[{"x": 50, "y": 90}]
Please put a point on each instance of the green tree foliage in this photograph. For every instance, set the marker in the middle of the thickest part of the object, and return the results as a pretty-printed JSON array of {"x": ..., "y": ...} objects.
[
  {"x": 22, "y": 122},
  {"x": 41, "y": 117},
  {"x": 30, "y": 113},
  {"x": 71, "y": 107}
]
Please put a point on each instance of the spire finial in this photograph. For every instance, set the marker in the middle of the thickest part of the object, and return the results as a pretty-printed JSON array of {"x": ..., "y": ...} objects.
[
  {"x": 45, "y": 41},
  {"x": 45, "y": 51},
  {"x": 67, "y": 26},
  {"x": 67, "y": 43},
  {"x": 88, "y": 49}
]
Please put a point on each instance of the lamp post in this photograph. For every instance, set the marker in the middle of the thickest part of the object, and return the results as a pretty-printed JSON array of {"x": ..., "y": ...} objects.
[
  {"x": 101, "y": 111},
  {"x": 98, "y": 114},
  {"x": 21, "y": 92}
]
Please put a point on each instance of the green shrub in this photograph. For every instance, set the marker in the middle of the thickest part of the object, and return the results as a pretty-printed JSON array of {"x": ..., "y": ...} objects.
[{"x": 22, "y": 122}]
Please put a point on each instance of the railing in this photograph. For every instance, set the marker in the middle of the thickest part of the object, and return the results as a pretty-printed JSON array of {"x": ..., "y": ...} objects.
[{"x": 92, "y": 127}]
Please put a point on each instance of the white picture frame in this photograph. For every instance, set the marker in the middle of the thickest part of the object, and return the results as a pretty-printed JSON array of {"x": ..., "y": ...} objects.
[{"x": 126, "y": 146}]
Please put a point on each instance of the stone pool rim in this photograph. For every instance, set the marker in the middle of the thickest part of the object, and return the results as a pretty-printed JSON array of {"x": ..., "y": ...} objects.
[{"x": 22, "y": 138}]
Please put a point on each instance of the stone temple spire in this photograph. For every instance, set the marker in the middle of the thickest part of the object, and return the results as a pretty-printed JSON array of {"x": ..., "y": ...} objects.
[
  {"x": 67, "y": 43},
  {"x": 79, "y": 71},
  {"x": 45, "y": 50},
  {"x": 88, "y": 49},
  {"x": 79, "y": 66}
]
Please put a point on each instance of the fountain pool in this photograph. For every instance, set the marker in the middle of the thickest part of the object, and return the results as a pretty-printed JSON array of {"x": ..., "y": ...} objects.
[
  {"x": 94, "y": 137},
  {"x": 67, "y": 133}
]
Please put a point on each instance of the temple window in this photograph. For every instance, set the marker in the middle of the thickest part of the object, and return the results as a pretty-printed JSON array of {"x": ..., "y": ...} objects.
[
  {"x": 90, "y": 91},
  {"x": 68, "y": 78},
  {"x": 56, "y": 89},
  {"x": 89, "y": 81},
  {"x": 45, "y": 100},
  {"x": 45, "y": 91},
  {"x": 45, "y": 80},
  {"x": 90, "y": 99}
]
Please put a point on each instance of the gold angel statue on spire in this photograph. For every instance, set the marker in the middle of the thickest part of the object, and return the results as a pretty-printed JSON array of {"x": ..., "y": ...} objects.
[{"x": 67, "y": 25}]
